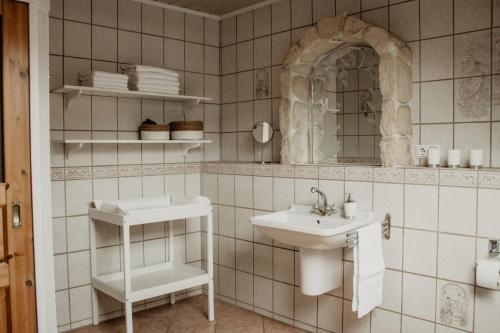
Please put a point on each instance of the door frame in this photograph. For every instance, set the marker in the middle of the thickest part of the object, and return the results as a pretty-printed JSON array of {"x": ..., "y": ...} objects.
[{"x": 40, "y": 164}]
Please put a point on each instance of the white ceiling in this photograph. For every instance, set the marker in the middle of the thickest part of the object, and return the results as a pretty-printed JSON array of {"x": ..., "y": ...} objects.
[{"x": 215, "y": 7}]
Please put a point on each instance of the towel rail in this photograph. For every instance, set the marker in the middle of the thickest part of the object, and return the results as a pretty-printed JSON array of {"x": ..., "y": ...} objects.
[{"x": 352, "y": 236}]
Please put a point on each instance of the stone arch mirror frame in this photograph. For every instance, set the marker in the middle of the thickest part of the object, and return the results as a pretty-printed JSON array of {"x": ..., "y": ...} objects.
[{"x": 313, "y": 45}]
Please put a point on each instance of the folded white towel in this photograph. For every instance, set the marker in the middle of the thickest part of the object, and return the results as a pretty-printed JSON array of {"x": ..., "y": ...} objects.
[
  {"x": 141, "y": 86},
  {"x": 157, "y": 89},
  {"x": 368, "y": 278},
  {"x": 103, "y": 75},
  {"x": 158, "y": 82},
  {"x": 126, "y": 206},
  {"x": 150, "y": 205},
  {"x": 135, "y": 75},
  {"x": 103, "y": 81},
  {"x": 117, "y": 86},
  {"x": 149, "y": 69}
]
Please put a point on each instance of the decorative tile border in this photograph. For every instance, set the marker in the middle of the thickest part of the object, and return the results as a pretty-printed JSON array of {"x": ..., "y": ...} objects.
[
  {"x": 130, "y": 171},
  {"x": 209, "y": 167},
  {"x": 173, "y": 169},
  {"x": 333, "y": 172},
  {"x": 446, "y": 177},
  {"x": 307, "y": 171},
  {"x": 105, "y": 172},
  {"x": 283, "y": 171},
  {"x": 152, "y": 170},
  {"x": 192, "y": 168},
  {"x": 263, "y": 170},
  {"x": 489, "y": 179},
  {"x": 458, "y": 177},
  {"x": 243, "y": 169},
  {"x": 57, "y": 174},
  {"x": 359, "y": 173},
  {"x": 388, "y": 175},
  {"x": 78, "y": 173},
  {"x": 422, "y": 176},
  {"x": 74, "y": 173},
  {"x": 226, "y": 168}
]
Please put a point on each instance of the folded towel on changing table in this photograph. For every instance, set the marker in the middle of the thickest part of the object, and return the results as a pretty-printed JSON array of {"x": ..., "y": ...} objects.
[
  {"x": 128, "y": 206},
  {"x": 152, "y": 204},
  {"x": 368, "y": 277}
]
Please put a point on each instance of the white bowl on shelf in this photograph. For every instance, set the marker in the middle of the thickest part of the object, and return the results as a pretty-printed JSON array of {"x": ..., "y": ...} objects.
[
  {"x": 187, "y": 135},
  {"x": 155, "y": 135}
]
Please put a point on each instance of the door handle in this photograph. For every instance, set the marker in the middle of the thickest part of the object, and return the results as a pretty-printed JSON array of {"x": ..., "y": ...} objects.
[{"x": 16, "y": 215}]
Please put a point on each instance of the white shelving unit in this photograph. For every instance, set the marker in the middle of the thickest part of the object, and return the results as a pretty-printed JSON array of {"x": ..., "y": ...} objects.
[
  {"x": 71, "y": 92},
  {"x": 78, "y": 144},
  {"x": 131, "y": 285}
]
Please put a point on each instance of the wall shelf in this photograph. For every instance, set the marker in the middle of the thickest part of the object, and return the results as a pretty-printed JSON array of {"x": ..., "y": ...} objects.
[
  {"x": 72, "y": 92},
  {"x": 77, "y": 144}
]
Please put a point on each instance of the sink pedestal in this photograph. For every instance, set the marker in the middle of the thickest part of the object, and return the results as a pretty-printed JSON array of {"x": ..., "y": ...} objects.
[{"x": 320, "y": 270}]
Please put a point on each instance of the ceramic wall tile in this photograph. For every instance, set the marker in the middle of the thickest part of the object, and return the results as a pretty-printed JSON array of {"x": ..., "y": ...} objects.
[
  {"x": 468, "y": 17},
  {"x": 457, "y": 210},
  {"x": 419, "y": 295},
  {"x": 420, "y": 252}
]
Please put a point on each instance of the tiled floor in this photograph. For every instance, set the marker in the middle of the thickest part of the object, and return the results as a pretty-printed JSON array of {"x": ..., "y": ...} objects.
[{"x": 189, "y": 316}]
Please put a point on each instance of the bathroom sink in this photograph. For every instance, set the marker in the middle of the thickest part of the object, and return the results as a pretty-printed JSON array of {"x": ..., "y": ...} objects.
[
  {"x": 299, "y": 227},
  {"x": 320, "y": 240}
]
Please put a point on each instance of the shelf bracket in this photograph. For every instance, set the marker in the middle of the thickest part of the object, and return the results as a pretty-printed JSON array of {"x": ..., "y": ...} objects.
[
  {"x": 69, "y": 97},
  {"x": 190, "y": 104},
  {"x": 189, "y": 146},
  {"x": 70, "y": 148}
]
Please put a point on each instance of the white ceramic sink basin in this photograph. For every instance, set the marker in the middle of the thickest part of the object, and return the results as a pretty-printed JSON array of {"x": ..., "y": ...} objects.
[
  {"x": 299, "y": 227},
  {"x": 320, "y": 240}
]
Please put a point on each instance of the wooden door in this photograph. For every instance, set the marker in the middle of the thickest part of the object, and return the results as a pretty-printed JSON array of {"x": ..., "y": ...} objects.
[{"x": 17, "y": 277}]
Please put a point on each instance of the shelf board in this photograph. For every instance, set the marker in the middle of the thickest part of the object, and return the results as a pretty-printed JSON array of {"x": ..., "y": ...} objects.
[
  {"x": 187, "y": 145},
  {"x": 151, "y": 281},
  {"x": 73, "y": 91},
  {"x": 85, "y": 141}
]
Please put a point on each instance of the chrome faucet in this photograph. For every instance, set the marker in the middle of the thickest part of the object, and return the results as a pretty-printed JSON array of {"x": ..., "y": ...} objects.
[{"x": 323, "y": 209}]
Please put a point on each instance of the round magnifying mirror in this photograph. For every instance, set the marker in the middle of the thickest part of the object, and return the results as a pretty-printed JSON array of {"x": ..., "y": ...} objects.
[{"x": 262, "y": 132}]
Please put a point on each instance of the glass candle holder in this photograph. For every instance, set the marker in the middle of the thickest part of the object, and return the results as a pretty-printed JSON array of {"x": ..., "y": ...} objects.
[
  {"x": 476, "y": 158},
  {"x": 433, "y": 157},
  {"x": 454, "y": 158}
]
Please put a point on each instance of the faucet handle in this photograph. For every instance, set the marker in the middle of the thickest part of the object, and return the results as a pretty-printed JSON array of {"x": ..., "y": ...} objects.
[{"x": 314, "y": 189}]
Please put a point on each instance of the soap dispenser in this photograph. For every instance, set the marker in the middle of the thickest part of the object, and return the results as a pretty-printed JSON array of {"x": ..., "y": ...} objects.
[{"x": 349, "y": 207}]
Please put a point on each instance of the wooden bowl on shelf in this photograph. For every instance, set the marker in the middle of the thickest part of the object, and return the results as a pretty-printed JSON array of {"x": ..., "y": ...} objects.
[
  {"x": 187, "y": 130},
  {"x": 155, "y": 132}
]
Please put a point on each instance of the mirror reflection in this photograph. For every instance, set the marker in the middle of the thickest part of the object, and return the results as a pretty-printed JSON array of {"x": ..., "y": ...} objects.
[
  {"x": 262, "y": 132},
  {"x": 345, "y": 92}
]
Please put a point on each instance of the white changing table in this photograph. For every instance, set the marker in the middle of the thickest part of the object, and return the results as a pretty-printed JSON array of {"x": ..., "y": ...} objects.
[{"x": 131, "y": 285}]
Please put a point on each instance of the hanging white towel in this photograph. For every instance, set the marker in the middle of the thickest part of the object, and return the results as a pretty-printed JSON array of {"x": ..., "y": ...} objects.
[
  {"x": 368, "y": 278},
  {"x": 149, "y": 69}
]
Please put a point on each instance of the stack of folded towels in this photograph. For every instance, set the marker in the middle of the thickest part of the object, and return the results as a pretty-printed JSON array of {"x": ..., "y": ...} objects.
[
  {"x": 98, "y": 79},
  {"x": 152, "y": 79}
]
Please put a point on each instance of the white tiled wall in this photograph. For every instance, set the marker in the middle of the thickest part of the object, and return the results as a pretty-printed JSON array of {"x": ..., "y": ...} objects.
[
  {"x": 103, "y": 34},
  {"x": 442, "y": 221},
  {"x": 456, "y": 54}
]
